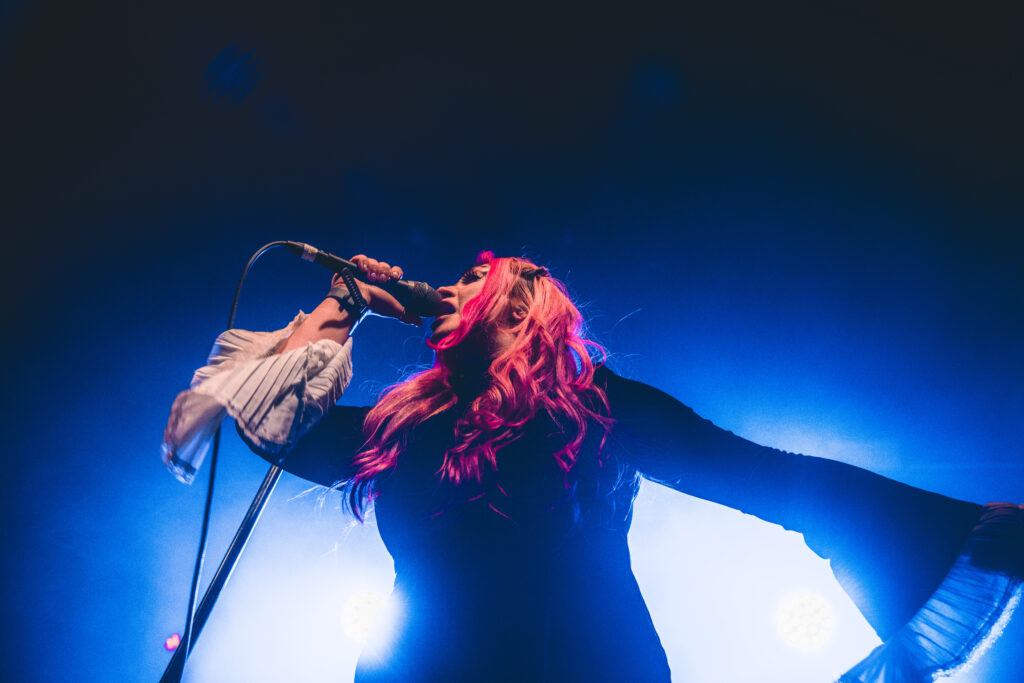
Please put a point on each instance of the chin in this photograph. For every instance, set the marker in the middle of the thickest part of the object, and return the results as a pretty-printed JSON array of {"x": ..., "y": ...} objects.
[
  {"x": 439, "y": 334},
  {"x": 446, "y": 327}
]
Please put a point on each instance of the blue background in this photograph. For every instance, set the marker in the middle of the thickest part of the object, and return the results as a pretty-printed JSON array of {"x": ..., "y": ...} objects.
[{"x": 803, "y": 220}]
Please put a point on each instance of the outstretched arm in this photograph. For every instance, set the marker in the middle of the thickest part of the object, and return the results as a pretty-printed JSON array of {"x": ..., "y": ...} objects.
[{"x": 890, "y": 544}]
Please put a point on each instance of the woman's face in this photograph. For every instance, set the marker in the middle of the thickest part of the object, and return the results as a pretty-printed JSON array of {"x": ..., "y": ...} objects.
[{"x": 455, "y": 297}]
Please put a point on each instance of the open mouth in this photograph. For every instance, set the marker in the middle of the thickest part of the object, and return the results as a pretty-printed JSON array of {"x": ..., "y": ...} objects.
[{"x": 448, "y": 309}]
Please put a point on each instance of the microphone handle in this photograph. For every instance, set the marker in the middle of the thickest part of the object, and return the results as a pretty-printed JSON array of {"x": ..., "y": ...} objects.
[{"x": 418, "y": 298}]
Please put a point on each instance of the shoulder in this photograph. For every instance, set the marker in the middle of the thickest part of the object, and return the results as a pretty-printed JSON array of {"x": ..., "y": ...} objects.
[
  {"x": 620, "y": 391},
  {"x": 637, "y": 403}
]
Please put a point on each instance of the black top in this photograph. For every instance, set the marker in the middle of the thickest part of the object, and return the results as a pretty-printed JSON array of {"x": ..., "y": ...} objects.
[{"x": 528, "y": 577}]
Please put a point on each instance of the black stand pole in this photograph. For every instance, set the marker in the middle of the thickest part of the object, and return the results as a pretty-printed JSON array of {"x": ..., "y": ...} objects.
[
  {"x": 176, "y": 667},
  {"x": 197, "y": 619}
]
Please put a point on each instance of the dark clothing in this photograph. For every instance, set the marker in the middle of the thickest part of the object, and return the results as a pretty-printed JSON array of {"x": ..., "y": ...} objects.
[{"x": 528, "y": 578}]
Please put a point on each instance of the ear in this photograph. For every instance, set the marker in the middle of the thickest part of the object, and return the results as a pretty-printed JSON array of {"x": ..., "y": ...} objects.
[{"x": 517, "y": 313}]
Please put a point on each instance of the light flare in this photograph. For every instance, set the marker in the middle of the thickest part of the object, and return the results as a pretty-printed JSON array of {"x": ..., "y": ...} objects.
[{"x": 805, "y": 620}]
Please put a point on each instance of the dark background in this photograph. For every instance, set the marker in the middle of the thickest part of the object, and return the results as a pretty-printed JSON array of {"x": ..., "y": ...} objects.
[{"x": 802, "y": 219}]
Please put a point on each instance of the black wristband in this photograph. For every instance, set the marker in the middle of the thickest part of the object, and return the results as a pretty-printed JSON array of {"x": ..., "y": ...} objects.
[
  {"x": 350, "y": 298},
  {"x": 353, "y": 288},
  {"x": 347, "y": 301}
]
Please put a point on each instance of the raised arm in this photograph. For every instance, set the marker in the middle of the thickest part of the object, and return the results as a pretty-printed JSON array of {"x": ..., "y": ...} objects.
[
  {"x": 335, "y": 317},
  {"x": 279, "y": 385}
]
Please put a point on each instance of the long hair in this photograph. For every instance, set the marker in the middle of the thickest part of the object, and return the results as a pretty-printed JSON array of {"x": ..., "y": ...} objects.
[{"x": 547, "y": 366}]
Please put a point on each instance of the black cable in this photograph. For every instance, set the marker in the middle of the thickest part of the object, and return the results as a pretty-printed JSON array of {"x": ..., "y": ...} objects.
[{"x": 186, "y": 638}]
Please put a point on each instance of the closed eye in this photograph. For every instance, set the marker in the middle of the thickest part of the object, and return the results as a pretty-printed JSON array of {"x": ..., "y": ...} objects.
[{"x": 469, "y": 276}]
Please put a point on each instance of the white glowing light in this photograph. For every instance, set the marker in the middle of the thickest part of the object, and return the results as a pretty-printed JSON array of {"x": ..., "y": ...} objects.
[
  {"x": 805, "y": 621},
  {"x": 361, "y": 614}
]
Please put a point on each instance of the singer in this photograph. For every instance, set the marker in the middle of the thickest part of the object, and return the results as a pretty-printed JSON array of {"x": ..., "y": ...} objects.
[{"x": 502, "y": 480}]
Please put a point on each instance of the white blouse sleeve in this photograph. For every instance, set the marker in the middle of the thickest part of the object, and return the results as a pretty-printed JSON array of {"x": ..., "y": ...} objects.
[{"x": 274, "y": 398}]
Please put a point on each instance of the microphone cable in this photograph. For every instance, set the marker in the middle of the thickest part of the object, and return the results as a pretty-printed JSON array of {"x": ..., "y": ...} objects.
[{"x": 186, "y": 638}]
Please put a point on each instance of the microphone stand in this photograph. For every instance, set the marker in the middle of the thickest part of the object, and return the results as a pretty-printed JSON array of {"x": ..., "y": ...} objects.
[
  {"x": 176, "y": 667},
  {"x": 413, "y": 294},
  {"x": 197, "y": 618}
]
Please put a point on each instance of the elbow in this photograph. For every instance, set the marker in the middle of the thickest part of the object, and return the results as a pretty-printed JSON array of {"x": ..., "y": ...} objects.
[{"x": 273, "y": 453}]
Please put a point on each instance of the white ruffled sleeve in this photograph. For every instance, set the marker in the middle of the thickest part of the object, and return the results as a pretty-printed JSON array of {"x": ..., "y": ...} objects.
[
  {"x": 965, "y": 615},
  {"x": 274, "y": 398}
]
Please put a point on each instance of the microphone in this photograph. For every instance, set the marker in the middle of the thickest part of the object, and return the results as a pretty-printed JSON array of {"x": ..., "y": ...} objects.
[{"x": 418, "y": 298}]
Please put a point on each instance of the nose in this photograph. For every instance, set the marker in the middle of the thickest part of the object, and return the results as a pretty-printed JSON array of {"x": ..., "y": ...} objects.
[{"x": 446, "y": 291}]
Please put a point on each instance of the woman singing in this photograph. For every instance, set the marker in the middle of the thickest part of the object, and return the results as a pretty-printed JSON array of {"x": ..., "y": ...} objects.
[{"x": 502, "y": 480}]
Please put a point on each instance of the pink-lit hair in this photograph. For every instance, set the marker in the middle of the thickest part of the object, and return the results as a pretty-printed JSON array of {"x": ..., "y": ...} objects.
[{"x": 547, "y": 366}]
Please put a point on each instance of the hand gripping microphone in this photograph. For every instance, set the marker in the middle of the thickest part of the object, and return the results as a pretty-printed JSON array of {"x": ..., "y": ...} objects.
[{"x": 418, "y": 298}]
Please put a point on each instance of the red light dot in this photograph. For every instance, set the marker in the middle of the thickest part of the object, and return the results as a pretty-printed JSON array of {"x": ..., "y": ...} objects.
[{"x": 172, "y": 643}]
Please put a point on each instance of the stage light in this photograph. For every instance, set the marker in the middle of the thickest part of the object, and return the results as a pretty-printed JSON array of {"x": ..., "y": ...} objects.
[
  {"x": 804, "y": 620},
  {"x": 361, "y": 615},
  {"x": 172, "y": 643}
]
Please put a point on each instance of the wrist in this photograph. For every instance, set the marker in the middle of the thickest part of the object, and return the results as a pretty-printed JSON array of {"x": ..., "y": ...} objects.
[{"x": 355, "y": 305}]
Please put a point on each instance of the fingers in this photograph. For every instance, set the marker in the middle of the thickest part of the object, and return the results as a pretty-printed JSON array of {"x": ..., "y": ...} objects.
[
  {"x": 380, "y": 301},
  {"x": 377, "y": 271}
]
